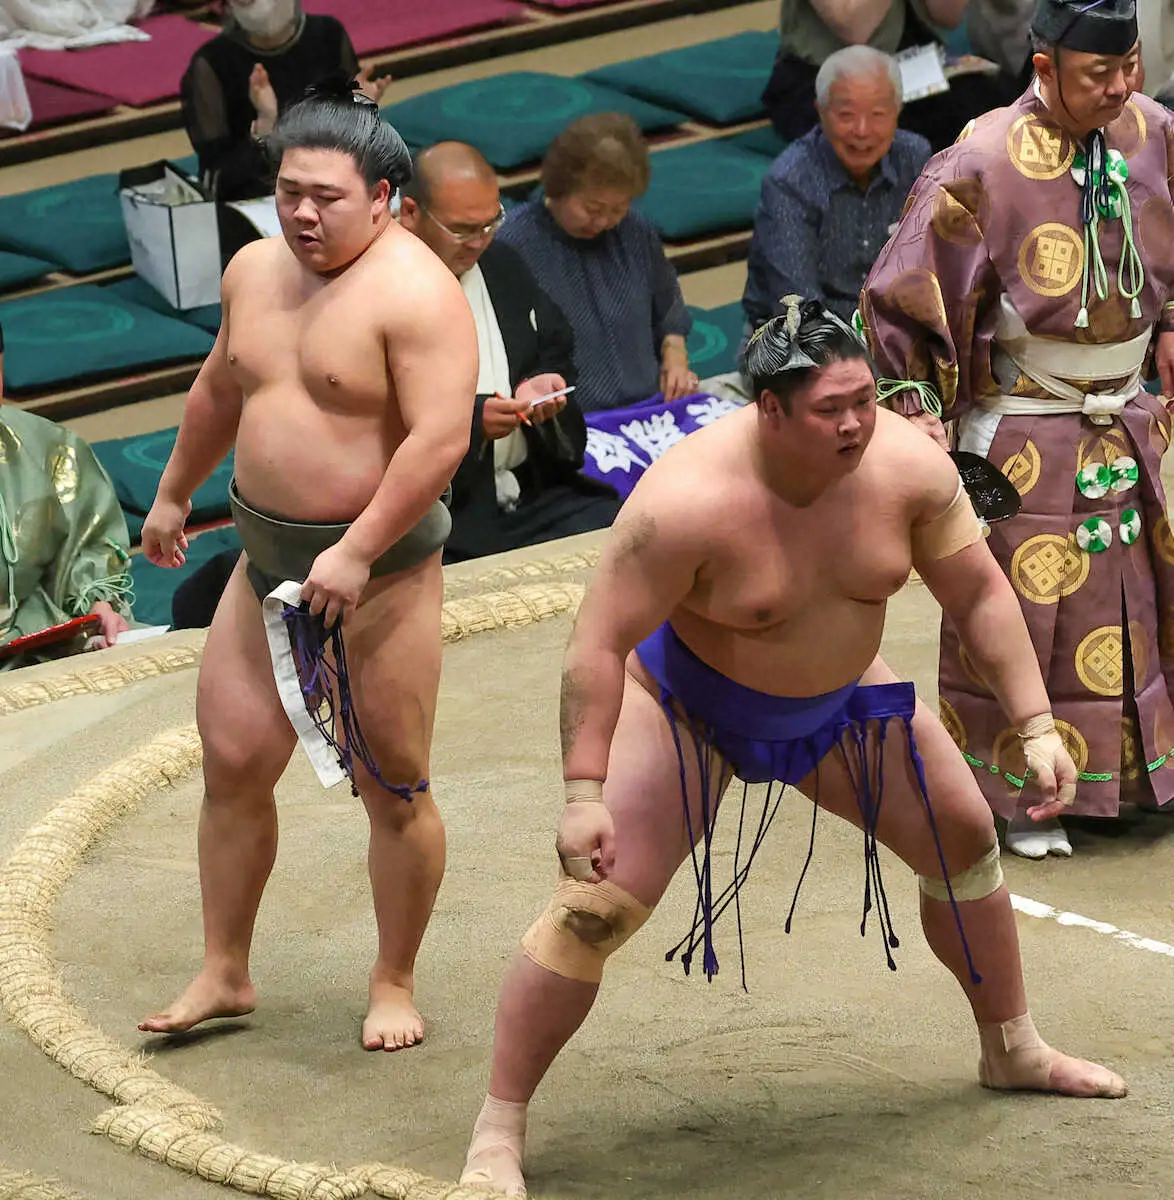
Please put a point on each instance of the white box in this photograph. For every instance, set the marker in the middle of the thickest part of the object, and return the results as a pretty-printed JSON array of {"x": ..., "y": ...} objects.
[{"x": 173, "y": 233}]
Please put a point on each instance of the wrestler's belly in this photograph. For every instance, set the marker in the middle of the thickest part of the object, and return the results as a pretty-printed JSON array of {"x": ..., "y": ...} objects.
[
  {"x": 805, "y": 655},
  {"x": 297, "y": 460}
]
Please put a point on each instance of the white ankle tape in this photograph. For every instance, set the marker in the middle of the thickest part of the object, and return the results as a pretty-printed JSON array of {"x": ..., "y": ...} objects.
[{"x": 975, "y": 883}]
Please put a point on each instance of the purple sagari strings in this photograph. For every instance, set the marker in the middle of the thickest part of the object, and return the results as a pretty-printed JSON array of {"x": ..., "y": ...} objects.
[
  {"x": 312, "y": 646},
  {"x": 866, "y": 774}
]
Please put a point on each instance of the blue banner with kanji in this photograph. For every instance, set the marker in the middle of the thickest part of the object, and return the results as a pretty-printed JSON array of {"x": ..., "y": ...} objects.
[{"x": 623, "y": 442}]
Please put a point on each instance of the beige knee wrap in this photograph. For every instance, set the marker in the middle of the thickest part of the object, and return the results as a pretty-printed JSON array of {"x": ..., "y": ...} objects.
[
  {"x": 583, "y": 925},
  {"x": 975, "y": 883}
]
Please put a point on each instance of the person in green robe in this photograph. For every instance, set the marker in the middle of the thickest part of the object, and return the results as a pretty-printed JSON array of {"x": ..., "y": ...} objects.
[{"x": 63, "y": 538}]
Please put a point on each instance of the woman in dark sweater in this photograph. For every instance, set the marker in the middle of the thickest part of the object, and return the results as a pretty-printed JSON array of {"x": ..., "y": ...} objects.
[{"x": 265, "y": 57}]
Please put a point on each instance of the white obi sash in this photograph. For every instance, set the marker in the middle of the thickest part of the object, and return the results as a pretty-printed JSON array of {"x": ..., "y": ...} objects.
[{"x": 1052, "y": 364}]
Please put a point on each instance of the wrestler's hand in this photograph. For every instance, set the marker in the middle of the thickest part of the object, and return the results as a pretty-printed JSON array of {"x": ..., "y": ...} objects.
[
  {"x": 933, "y": 426},
  {"x": 542, "y": 385},
  {"x": 586, "y": 834},
  {"x": 1050, "y": 765},
  {"x": 164, "y": 541},
  {"x": 1164, "y": 361},
  {"x": 336, "y": 581}
]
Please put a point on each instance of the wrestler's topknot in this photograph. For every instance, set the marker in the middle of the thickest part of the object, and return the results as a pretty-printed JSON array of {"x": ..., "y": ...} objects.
[
  {"x": 783, "y": 352},
  {"x": 336, "y": 116}
]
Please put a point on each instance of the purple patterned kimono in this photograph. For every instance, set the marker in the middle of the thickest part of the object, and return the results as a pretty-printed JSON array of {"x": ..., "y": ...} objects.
[{"x": 992, "y": 290}]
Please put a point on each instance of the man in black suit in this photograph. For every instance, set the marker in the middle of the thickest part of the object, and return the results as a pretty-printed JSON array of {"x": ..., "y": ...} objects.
[{"x": 520, "y": 482}]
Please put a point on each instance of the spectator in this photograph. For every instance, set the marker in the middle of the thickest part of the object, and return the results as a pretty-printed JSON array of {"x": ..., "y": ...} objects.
[
  {"x": 810, "y": 31},
  {"x": 603, "y": 264},
  {"x": 831, "y": 198},
  {"x": 265, "y": 57},
  {"x": 63, "y": 539},
  {"x": 520, "y": 483}
]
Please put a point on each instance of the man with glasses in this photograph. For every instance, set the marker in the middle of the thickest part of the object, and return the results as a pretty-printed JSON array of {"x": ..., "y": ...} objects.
[{"x": 520, "y": 482}]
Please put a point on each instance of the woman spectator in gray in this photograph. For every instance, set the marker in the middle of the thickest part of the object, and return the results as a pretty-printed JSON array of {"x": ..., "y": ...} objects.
[{"x": 603, "y": 264}]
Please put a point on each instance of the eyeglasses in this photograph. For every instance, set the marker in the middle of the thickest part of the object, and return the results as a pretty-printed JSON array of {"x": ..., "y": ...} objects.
[{"x": 468, "y": 235}]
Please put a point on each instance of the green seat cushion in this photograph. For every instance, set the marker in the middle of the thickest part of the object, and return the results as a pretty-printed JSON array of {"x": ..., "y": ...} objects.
[
  {"x": 155, "y": 586},
  {"x": 720, "y": 82},
  {"x": 714, "y": 339},
  {"x": 139, "y": 291},
  {"x": 135, "y": 465},
  {"x": 16, "y": 269},
  {"x": 759, "y": 141},
  {"x": 703, "y": 189},
  {"x": 72, "y": 335},
  {"x": 513, "y": 118},
  {"x": 77, "y": 224}
]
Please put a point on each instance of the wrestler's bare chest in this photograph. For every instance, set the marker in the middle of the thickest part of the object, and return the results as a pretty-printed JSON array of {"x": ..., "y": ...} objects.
[
  {"x": 785, "y": 567},
  {"x": 322, "y": 342}
]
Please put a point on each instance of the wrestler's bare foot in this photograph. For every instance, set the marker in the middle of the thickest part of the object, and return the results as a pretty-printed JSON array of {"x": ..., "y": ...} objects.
[
  {"x": 494, "y": 1161},
  {"x": 1016, "y": 1058},
  {"x": 206, "y": 997},
  {"x": 393, "y": 1022}
]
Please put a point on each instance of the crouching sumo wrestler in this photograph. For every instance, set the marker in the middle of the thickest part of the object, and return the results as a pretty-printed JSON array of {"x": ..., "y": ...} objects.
[{"x": 733, "y": 628}]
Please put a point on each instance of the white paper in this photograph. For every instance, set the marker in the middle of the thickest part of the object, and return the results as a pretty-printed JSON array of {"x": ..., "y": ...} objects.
[
  {"x": 141, "y": 634},
  {"x": 922, "y": 72}
]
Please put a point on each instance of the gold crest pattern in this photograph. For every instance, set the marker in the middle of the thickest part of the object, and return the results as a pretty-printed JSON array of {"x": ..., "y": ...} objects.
[
  {"x": 918, "y": 294},
  {"x": 1099, "y": 661},
  {"x": 1051, "y": 259},
  {"x": 955, "y": 212},
  {"x": 1039, "y": 149},
  {"x": 1048, "y": 566},
  {"x": 1023, "y": 469}
]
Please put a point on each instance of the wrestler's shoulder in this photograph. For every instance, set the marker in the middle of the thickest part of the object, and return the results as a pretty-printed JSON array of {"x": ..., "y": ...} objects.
[
  {"x": 696, "y": 473},
  {"x": 902, "y": 457},
  {"x": 255, "y": 260}
]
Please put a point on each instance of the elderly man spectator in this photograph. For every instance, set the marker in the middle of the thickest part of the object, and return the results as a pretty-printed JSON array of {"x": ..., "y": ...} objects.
[
  {"x": 520, "y": 481},
  {"x": 810, "y": 31},
  {"x": 831, "y": 197}
]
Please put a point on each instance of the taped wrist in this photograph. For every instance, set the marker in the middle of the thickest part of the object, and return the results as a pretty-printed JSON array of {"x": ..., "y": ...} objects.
[
  {"x": 1041, "y": 741},
  {"x": 579, "y": 790}
]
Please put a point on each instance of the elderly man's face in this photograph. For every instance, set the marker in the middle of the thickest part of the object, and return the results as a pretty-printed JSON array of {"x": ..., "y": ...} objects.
[
  {"x": 458, "y": 222},
  {"x": 860, "y": 119}
]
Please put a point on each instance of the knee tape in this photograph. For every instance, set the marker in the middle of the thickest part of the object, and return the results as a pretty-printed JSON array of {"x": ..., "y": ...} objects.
[
  {"x": 976, "y": 882},
  {"x": 583, "y": 925}
]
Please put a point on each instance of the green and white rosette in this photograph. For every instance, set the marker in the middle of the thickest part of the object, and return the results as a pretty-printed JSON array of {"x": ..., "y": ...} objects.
[
  {"x": 1094, "y": 481},
  {"x": 1124, "y": 473},
  {"x": 1094, "y": 535},
  {"x": 1130, "y": 529}
]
